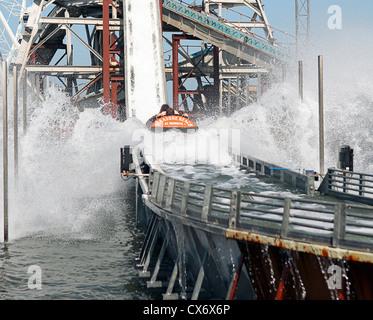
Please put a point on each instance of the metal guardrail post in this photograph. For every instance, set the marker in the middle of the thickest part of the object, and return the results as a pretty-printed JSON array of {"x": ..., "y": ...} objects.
[
  {"x": 207, "y": 201},
  {"x": 170, "y": 194},
  {"x": 344, "y": 182},
  {"x": 361, "y": 185},
  {"x": 184, "y": 198},
  {"x": 235, "y": 209},
  {"x": 161, "y": 188},
  {"x": 150, "y": 181},
  {"x": 339, "y": 223},
  {"x": 330, "y": 179},
  {"x": 285, "y": 218},
  {"x": 155, "y": 184}
]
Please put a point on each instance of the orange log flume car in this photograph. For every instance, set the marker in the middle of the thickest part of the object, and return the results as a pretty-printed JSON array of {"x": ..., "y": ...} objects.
[{"x": 169, "y": 118}]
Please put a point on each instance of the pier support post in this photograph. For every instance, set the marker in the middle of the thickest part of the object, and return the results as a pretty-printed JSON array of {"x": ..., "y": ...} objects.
[
  {"x": 149, "y": 246},
  {"x": 153, "y": 283},
  {"x": 300, "y": 80},
  {"x": 200, "y": 278},
  {"x": 321, "y": 114},
  {"x": 15, "y": 118},
  {"x": 141, "y": 217},
  {"x": 24, "y": 102},
  {"x": 169, "y": 295},
  {"x": 152, "y": 226},
  {"x": 5, "y": 149}
]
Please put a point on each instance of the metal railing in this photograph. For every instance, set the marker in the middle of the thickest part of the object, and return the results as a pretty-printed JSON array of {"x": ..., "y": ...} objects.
[
  {"x": 291, "y": 177},
  {"x": 246, "y": 22},
  {"x": 349, "y": 185},
  {"x": 221, "y": 26},
  {"x": 334, "y": 224}
]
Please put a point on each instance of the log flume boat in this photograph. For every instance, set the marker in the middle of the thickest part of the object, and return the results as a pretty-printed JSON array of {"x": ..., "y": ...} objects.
[{"x": 169, "y": 118}]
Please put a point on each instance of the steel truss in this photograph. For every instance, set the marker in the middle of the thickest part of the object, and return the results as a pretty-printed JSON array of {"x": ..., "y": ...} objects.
[
  {"x": 11, "y": 18},
  {"x": 223, "y": 69},
  {"x": 227, "y": 76},
  {"x": 47, "y": 48},
  {"x": 302, "y": 26}
]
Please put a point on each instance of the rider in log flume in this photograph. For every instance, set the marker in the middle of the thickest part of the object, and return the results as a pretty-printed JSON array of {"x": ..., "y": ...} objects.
[{"x": 169, "y": 118}]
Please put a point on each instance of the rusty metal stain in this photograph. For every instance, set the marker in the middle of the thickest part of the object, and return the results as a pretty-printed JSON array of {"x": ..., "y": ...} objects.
[{"x": 316, "y": 249}]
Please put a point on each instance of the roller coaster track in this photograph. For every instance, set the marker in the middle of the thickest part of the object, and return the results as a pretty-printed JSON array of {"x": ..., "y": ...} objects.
[{"x": 223, "y": 34}]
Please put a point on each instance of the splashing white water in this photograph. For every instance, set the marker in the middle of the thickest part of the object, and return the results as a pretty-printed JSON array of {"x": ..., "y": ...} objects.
[
  {"x": 68, "y": 164},
  {"x": 278, "y": 128},
  {"x": 282, "y": 130},
  {"x": 69, "y": 161}
]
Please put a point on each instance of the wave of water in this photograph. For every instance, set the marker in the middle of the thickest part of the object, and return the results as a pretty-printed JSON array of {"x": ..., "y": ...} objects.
[
  {"x": 69, "y": 160},
  {"x": 70, "y": 213},
  {"x": 280, "y": 129},
  {"x": 68, "y": 164}
]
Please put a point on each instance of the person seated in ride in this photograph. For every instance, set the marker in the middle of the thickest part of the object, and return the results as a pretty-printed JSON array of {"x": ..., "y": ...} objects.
[
  {"x": 185, "y": 115},
  {"x": 171, "y": 112},
  {"x": 182, "y": 113},
  {"x": 163, "y": 110},
  {"x": 166, "y": 110}
]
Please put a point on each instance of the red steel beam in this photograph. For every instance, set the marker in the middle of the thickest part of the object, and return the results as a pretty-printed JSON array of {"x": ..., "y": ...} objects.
[
  {"x": 281, "y": 287},
  {"x": 233, "y": 287},
  {"x": 110, "y": 49},
  {"x": 106, "y": 54},
  {"x": 175, "y": 71}
]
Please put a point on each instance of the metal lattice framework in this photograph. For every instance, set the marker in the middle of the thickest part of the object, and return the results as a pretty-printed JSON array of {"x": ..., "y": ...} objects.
[
  {"x": 11, "y": 24},
  {"x": 50, "y": 34},
  {"x": 302, "y": 25}
]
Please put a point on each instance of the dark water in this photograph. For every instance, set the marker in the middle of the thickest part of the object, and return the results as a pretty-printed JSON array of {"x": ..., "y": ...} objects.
[{"x": 75, "y": 266}]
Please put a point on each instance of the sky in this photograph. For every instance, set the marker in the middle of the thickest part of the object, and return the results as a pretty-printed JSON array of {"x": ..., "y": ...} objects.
[
  {"x": 356, "y": 19},
  {"x": 349, "y": 46},
  {"x": 281, "y": 14}
]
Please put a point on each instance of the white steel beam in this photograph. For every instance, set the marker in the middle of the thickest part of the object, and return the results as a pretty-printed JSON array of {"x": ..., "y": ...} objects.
[
  {"x": 78, "y": 71},
  {"x": 78, "y": 21},
  {"x": 8, "y": 30},
  {"x": 22, "y": 57}
]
